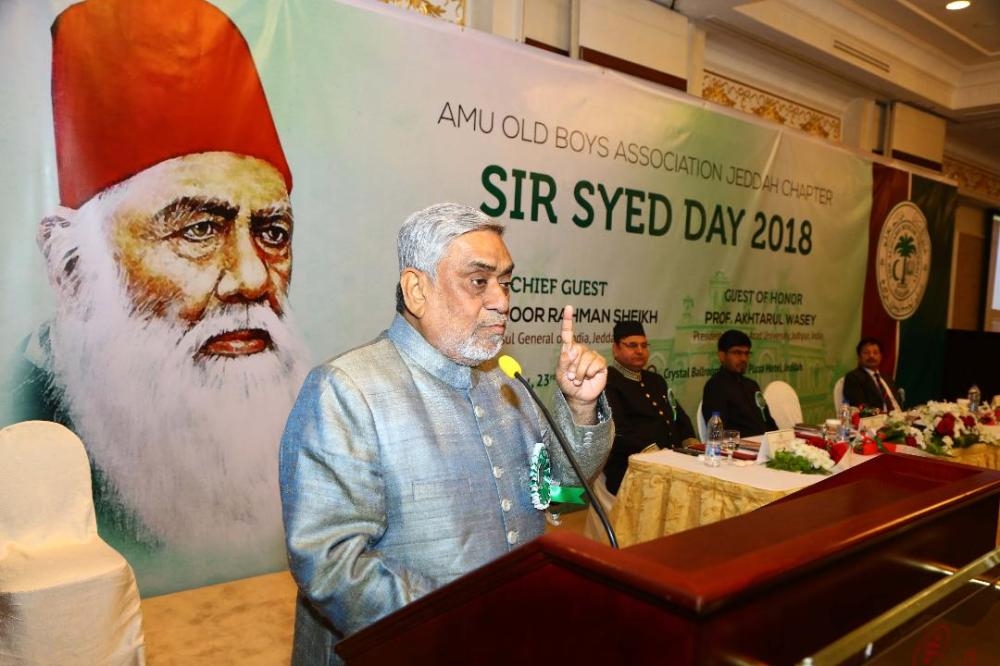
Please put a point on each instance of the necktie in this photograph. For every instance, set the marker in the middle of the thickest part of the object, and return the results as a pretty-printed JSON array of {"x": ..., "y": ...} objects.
[{"x": 888, "y": 402}]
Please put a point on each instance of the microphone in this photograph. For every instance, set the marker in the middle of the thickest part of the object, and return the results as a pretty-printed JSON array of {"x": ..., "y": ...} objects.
[{"x": 512, "y": 369}]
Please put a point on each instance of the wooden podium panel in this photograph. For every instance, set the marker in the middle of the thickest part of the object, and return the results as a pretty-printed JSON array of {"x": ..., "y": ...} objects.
[{"x": 771, "y": 586}]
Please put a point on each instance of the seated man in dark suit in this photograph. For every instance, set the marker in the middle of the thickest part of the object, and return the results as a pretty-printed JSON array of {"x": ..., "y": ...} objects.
[
  {"x": 736, "y": 397},
  {"x": 865, "y": 385},
  {"x": 643, "y": 407}
]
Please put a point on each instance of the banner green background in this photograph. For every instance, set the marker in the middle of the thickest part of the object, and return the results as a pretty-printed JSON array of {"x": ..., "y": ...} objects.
[{"x": 621, "y": 197}]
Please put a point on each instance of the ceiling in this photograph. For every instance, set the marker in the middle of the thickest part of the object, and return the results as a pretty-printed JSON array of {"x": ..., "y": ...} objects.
[
  {"x": 970, "y": 36},
  {"x": 916, "y": 51}
]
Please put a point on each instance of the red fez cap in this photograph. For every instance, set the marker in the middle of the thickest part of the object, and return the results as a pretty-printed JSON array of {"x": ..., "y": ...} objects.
[{"x": 138, "y": 82}]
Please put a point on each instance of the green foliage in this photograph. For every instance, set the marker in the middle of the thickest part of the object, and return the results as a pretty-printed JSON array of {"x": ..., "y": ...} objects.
[{"x": 789, "y": 462}]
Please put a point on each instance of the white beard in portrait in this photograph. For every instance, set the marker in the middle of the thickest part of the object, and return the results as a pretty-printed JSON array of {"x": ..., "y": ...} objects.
[{"x": 188, "y": 441}]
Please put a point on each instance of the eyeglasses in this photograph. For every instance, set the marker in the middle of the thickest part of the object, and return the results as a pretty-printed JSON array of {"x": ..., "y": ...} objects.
[{"x": 634, "y": 345}]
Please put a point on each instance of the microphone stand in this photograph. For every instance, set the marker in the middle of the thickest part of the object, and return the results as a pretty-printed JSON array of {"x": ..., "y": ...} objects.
[{"x": 572, "y": 460}]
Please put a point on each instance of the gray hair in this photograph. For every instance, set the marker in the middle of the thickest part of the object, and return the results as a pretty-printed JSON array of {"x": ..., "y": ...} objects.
[{"x": 425, "y": 236}]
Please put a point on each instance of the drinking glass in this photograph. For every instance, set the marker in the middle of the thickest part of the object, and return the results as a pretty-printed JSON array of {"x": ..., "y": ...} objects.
[
  {"x": 730, "y": 440},
  {"x": 831, "y": 431}
]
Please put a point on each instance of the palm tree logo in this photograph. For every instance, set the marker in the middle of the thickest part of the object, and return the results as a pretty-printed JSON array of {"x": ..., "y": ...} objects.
[
  {"x": 905, "y": 247},
  {"x": 903, "y": 259}
]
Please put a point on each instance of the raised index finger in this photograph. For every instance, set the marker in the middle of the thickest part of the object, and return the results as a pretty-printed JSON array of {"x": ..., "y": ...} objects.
[{"x": 567, "y": 328}]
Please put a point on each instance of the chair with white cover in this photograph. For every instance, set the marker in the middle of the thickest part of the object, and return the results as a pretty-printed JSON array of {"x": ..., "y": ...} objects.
[
  {"x": 66, "y": 597},
  {"x": 838, "y": 395},
  {"x": 783, "y": 403},
  {"x": 702, "y": 425}
]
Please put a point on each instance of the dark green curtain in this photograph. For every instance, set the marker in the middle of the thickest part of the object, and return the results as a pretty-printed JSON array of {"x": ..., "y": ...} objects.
[{"x": 922, "y": 336}]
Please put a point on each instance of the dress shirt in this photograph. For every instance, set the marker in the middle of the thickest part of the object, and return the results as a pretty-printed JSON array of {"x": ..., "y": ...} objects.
[
  {"x": 734, "y": 396},
  {"x": 861, "y": 388},
  {"x": 402, "y": 470}
]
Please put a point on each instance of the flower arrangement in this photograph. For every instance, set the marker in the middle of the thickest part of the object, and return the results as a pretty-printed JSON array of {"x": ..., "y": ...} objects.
[
  {"x": 861, "y": 412},
  {"x": 990, "y": 417},
  {"x": 802, "y": 457},
  {"x": 883, "y": 441},
  {"x": 939, "y": 428}
]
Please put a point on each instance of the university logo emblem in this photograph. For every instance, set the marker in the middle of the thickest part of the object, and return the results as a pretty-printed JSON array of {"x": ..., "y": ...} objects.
[{"x": 903, "y": 260}]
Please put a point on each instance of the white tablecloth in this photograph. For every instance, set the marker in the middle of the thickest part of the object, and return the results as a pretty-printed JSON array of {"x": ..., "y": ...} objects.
[{"x": 666, "y": 492}]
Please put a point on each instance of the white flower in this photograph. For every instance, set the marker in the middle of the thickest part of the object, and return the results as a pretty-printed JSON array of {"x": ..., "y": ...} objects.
[
  {"x": 817, "y": 457},
  {"x": 921, "y": 422},
  {"x": 918, "y": 435}
]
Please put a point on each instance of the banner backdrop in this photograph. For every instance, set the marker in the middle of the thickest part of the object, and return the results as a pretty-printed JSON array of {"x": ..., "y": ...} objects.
[{"x": 627, "y": 200}]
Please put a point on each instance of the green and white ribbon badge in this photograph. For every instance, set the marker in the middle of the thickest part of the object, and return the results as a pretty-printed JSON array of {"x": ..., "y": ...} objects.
[
  {"x": 758, "y": 397},
  {"x": 545, "y": 491}
]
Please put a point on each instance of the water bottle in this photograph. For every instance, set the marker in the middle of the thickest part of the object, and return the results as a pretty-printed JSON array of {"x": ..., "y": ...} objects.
[
  {"x": 974, "y": 398},
  {"x": 844, "y": 435},
  {"x": 713, "y": 447}
]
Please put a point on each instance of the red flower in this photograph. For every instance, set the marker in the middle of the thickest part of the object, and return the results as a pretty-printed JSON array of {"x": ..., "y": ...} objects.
[
  {"x": 946, "y": 426},
  {"x": 911, "y": 440},
  {"x": 968, "y": 421},
  {"x": 869, "y": 447},
  {"x": 856, "y": 416},
  {"x": 837, "y": 451}
]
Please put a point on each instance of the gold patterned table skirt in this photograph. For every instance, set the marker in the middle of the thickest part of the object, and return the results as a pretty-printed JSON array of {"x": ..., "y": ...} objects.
[
  {"x": 655, "y": 500},
  {"x": 979, "y": 455}
]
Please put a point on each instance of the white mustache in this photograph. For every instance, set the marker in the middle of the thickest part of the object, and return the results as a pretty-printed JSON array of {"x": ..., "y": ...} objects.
[
  {"x": 500, "y": 321},
  {"x": 228, "y": 319}
]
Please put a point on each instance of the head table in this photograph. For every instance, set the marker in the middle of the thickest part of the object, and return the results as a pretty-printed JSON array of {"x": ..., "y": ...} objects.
[{"x": 665, "y": 492}]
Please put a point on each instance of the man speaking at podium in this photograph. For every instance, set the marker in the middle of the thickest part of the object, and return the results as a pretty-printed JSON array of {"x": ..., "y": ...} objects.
[{"x": 406, "y": 462}]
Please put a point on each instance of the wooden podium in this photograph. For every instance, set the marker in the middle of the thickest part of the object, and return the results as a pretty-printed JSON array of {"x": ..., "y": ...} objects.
[{"x": 771, "y": 586}]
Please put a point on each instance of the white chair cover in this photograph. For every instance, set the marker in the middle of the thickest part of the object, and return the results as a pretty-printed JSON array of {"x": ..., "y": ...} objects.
[
  {"x": 702, "y": 425},
  {"x": 838, "y": 395},
  {"x": 66, "y": 597},
  {"x": 783, "y": 403}
]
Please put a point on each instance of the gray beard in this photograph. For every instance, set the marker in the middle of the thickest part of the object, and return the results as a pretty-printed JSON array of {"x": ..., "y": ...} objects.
[
  {"x": 475, "y": 352},
  {"x": 189, "y": 444}
]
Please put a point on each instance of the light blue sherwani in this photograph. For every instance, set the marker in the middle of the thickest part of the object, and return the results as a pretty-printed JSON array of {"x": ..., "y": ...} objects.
[{"x": 402, "y": 470}]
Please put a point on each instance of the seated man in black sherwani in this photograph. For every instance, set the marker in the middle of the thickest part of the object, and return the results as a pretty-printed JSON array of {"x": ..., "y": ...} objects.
[
  {"x": 865, "y": 386},
  {"x": 642, "y": 405},
  {"x": 736, "y": 397}
]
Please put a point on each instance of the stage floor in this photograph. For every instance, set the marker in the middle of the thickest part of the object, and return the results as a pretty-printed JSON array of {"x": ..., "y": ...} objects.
[{"x": 247, "y": 622}]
